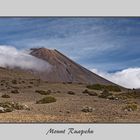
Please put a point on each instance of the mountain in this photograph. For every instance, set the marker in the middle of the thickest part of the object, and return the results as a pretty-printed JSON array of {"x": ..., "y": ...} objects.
[{"x": 63, "y": 69}]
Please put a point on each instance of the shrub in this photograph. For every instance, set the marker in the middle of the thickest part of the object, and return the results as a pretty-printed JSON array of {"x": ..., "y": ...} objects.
[
  {"x": 112, "y": 97},
  {"x": 71, "y": 92},
  {"x": 113, "y": 88},
  {"x": 130, "y": 107},
  {"x": 48, "y": 99},
  {"x": 85, "y": 91},
  {"x": 4, "y": 110},
  {"x": 87, "y": 109},
  {"x": 92, "y": 94},
  {"x": 14, "y": 81},
  {"x": 31, "y": 82},
  {"x": 6, "y": 104},
  {"x": 68, "y": 112},
  {"x": 18, "y": 106},
  {"x": 42, "y": 92},
  {"x": 105, "y": 94},
  {"x": 8, "y": 109},
  {"x": 95, "y": 86},
  {"x": 10, "y": 106},
  {"x": 102, "y": 87},
  {"x": 131, "y": 94},
  {"x": 15, "y": 91},
  {"x": 3, "y": 81},
  {"x": 5, "y": 96}
]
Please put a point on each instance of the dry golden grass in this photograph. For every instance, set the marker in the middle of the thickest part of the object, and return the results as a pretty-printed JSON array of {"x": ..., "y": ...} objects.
[{"x": 38, "y": 118}]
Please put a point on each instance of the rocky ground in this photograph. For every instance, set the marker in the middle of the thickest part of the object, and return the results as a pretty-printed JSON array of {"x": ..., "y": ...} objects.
[{"x": 21, "y": 101}]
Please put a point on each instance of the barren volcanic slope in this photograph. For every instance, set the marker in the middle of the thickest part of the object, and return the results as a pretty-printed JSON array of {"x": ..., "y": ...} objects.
[{"x": 64, "y": 69}]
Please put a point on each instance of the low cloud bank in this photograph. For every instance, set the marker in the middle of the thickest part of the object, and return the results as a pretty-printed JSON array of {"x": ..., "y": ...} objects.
[
  {"x": 12, "y": 57},
  {"x": 129, "y": 78}
]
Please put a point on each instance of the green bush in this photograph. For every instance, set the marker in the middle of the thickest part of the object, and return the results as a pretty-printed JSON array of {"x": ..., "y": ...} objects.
[
  {"x": 42, "y": 92},
  {"x": 5, "y": 96},
  {"x": 102, "y": 87},
  {"x": 48, "y": 99}
]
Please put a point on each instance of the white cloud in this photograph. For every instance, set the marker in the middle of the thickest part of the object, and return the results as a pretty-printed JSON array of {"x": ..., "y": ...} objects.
[
  {"x": 11, "y": 57},
  {"x": 129, "y": 78}
]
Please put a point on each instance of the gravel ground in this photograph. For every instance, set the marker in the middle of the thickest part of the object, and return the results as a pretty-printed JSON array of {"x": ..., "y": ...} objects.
[{"x": 67, "y": 108}]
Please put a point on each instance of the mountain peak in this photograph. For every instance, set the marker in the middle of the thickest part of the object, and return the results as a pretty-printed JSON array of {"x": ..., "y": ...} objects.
[
  {"x": 64, "y": 69},
  {"x": 40, "y": 48}
]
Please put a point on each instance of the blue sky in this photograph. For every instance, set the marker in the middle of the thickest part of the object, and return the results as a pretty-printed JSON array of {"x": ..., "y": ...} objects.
[{"x": 108, "y": 44}]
